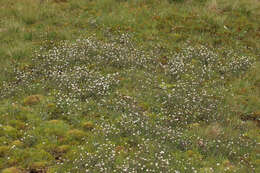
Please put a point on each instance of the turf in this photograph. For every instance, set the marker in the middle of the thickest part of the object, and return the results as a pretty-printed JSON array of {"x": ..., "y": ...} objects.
[{"x": 129, "y": 86}]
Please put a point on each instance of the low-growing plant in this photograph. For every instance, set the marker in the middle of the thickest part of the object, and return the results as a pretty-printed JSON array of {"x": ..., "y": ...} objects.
[{"x": 160, "y": 86}]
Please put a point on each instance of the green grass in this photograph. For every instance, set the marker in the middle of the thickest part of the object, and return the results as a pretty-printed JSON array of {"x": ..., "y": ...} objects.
[{"x": 129, "y": 86}]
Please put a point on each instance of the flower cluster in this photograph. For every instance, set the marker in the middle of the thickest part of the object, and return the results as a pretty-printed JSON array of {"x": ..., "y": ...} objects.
[{"x": 146, "y": 109}]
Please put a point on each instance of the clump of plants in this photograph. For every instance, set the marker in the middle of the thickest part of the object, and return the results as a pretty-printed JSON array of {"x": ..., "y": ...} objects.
[{"x": 149, "y": 107}]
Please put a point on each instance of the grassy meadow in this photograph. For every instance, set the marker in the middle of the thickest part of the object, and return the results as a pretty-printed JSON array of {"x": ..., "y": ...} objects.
[{"x": 129, "y": 86}]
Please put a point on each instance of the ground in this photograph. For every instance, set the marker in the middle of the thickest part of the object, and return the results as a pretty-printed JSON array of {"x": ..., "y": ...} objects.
[{"x": 129, "y": 86}]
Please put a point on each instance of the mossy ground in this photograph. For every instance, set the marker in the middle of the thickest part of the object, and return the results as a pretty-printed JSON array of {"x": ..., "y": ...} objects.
[{"x": 129, "y": 86}]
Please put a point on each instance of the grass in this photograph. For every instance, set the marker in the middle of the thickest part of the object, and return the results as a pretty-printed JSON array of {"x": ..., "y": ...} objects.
[{"x": 129, "y": 86}]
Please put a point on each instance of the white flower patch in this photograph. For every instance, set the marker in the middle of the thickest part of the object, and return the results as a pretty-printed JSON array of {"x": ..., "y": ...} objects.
[{"x": 142, "y": 127}]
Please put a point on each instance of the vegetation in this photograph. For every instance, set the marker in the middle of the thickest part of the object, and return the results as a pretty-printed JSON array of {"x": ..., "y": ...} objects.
[{"x": 129, "y": 86}]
